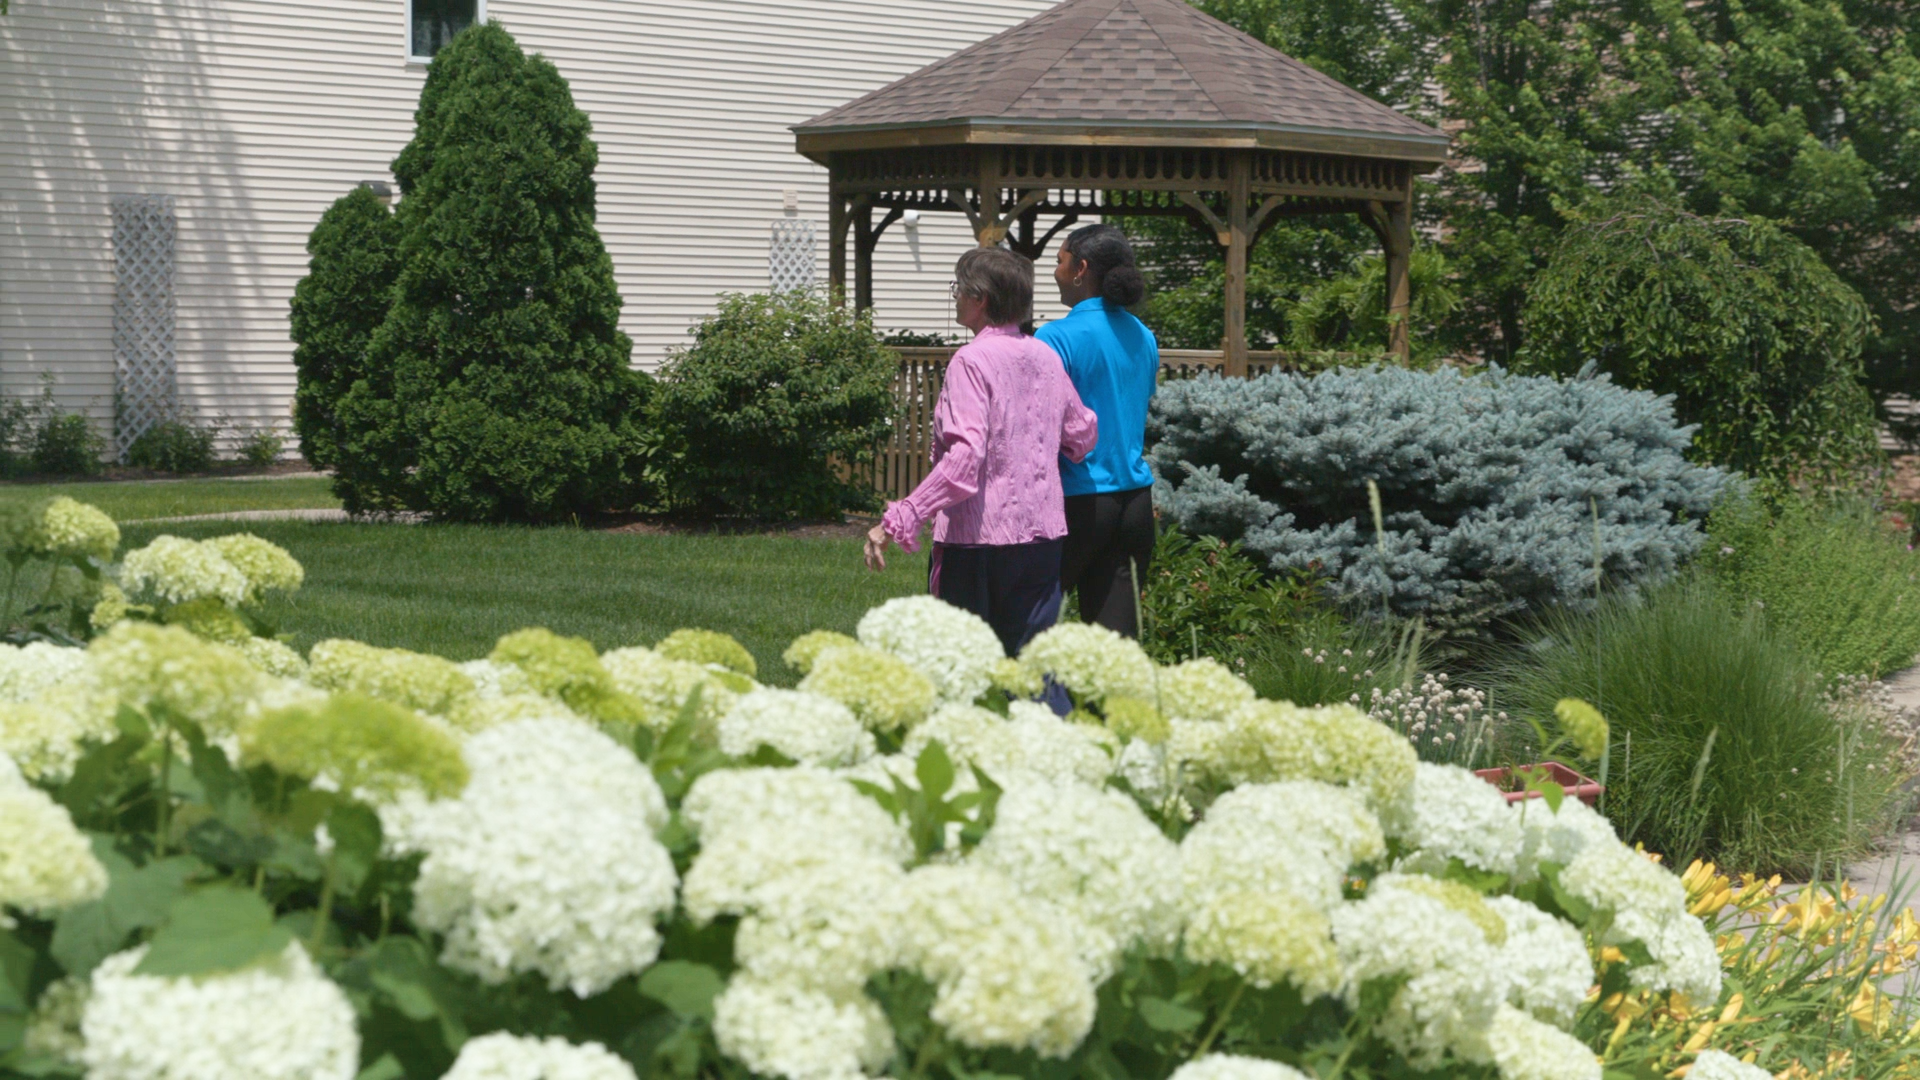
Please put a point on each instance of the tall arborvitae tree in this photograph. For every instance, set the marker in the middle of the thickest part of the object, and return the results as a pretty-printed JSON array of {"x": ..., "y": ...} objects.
[
  {"x": 336, "y": 308},
  {"x": 512, "y": 395}
]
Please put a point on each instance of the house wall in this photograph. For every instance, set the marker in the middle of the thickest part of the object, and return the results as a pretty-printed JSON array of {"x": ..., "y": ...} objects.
[{"x": 256, "y": 115}]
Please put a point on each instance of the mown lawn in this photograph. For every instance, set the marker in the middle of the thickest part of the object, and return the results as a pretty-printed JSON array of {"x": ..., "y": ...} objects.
[
  {"x": 454, "y": 589},
  {"x": 128, "y": 501}
]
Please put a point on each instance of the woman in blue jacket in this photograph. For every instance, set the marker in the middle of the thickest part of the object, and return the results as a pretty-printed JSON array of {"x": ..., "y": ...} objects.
[{"x": 1114, "y": 363}]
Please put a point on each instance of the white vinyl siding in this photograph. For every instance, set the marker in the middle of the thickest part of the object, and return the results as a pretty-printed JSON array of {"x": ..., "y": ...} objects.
[{"x": 255, "y": 116}]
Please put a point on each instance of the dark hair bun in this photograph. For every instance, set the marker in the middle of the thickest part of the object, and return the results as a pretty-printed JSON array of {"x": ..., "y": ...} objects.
[
  {"x": 1107, "y": 254},
  {"x": 1123, "y": 286}
]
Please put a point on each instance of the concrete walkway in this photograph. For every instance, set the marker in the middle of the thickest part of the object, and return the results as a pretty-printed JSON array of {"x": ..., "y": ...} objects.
[
  {"x": 1897, "y": 870},
  {"x": 315, "y": 514}
]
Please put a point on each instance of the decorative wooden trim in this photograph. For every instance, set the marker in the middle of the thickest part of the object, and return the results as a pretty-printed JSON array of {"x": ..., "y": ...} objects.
[{"x": 1428, "y": 151}]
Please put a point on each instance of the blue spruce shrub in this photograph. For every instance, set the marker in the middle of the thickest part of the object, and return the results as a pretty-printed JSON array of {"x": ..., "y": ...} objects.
[{"x": 1488, "y": 483}]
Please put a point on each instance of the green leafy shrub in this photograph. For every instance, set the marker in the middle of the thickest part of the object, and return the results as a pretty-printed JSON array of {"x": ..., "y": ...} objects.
[
  {"x": 1204, "y": 597},
  {"x": 65, "y": 444},
  {"x": 336, "y": 308},
  {"x": 1349, "y": 312},
  {"x": 1489, "y": 484},
  {"x": 1327, "y": 659},
  {"x": 1831, "y": 575},
  {"x": 1723, "y": 745},
  {"x": 1757, "y": 341},
  {"x": 261, "y": 447},
  {"x": 175, "y": 445},
  {"x": 512, "y": 397},
  {"x": 779, "y": 394}
]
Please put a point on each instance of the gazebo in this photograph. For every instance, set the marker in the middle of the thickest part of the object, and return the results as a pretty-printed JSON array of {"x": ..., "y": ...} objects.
[{"x": 1100, "y": 108}]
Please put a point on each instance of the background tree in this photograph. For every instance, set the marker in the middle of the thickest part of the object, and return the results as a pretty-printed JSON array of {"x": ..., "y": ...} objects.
[
  {"x": 336, "y": 309},
  {"x": 512, "y": 397},
  {"x": 1757, "y": 340}
]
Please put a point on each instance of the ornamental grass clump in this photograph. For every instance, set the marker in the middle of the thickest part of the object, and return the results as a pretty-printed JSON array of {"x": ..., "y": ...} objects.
[{"x": 1722, "y": 743}]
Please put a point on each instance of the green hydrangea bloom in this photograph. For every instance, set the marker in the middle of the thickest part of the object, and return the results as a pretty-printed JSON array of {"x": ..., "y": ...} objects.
[
  {"x": 208, "y": 618},
  {"x": 807, "y": 647},
  {"x": 415, "y": 680},
  {"x": 1461, "y": 898},
  {"x": 1131, "y": 718},
  {"x": 267, "y": 566},
  {"x": 66, "y": 527},
  {"x": 885, "y": 693},
  {"x": 360, "y": 743},
  {"x": 569, "y": 670},
  {"x": 663, "y": 686},
  {"x": 1584, "y": 725},
  {"x": 166, "y": 668},
  {"x": 708, "y": 647},
  {"x": 1265, "y": 741},
  {"x": 110, "y": 608},
  {"x": 273, "y": 657},
  {"x": 1014, "y": 679}
]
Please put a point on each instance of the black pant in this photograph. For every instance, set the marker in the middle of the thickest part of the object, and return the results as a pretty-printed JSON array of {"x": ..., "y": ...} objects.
[
  {"x": 1109, "y": 545},
  {"x": 1015, "y": 587}
]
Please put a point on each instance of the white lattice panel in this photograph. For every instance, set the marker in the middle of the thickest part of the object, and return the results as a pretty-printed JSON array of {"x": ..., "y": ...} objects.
[
  {"x": 143, "y": 357},
  {"x": 790, "y": 256}
]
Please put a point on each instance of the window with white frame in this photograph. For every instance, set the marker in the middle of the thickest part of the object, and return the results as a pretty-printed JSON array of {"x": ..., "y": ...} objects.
[{"x": 432, "y": 23}]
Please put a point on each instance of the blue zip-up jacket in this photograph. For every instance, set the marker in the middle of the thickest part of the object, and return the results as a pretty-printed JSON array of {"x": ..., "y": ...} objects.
[{"x": 1114, "y": 363}]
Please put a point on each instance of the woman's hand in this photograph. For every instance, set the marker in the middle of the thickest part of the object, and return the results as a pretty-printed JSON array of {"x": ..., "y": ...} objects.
[{"x": 877, "y": 542}]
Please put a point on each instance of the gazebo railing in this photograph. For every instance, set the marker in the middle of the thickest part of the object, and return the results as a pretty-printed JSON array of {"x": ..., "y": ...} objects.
[{"x": 901, "y": 460}]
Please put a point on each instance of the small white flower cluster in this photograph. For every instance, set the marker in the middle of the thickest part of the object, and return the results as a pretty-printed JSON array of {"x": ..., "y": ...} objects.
[
  {"x": 234, "y": 570},
  {"x": 27, "y": 671},
  {"x": 1649, "y": 905},
  {"x": 1438, "y": 717},
  {"x": 1235, "y": 1067},
  {"x": 1030, "y": 741},
  {"x": 45, "y": 863},
  {"x": 418, "y": 681},
  {"x": 1448, "y": 813},
  {"x": 547, "y": 862},
  {"x": 51, "y": 705},
  {"x": 1201, "y": 689},
  {"x": 1265, "y": 741},
  {"x": 1091, "y": 661},
  {"x": 1526, "y": 1049},
  {"x": 809, "y": 728},
  {"x": 501, "y": 1056},
  {"x": 70, "y": 528},
  {"x": 954, "y": 648},
  {"x": 884, "y": 691},
  {"x": 279, "y": 1019},
  {"x": 167, "y": 668},
  {"x": 663, "y": 686}
]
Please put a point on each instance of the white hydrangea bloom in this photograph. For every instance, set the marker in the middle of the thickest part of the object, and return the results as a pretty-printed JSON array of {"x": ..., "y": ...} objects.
[
  {"x": 547, "y": 862},
  {"x": 279, "y": 1019},
  {"x": 1300, "y": 836},
  {"x": 1235, "y": 1067},
  {"x": 1267, "y": 936},
  {"x": 420, "y": 681},
  {"x": 1642, "y": 894},
  {"x": 1031, "y": 742},
  {"x": 1449, "y": 813},
  {"x": 70, "y": 527},
  {"x": 27, "y": 671},
  {"x": 829, "y": 926},
  {"x": 1720, "y": 1065},
  {"x": 808, "y": 728},
  {"x": 501, "y": 1056},
  {"x": 1549, "y": 969},
  {"x": 1094, "y": 855},
  {"x": 1454, "y": 985},
  {"x": 954, "y": 648},
  {"x": 1557, "y": 837},
  {"x": 778, "y": 1029},
  {"x": 1201, "y": 689},
  {"x": 1092, "y": 661},
  {"x": 664, "y": 685},
  {"x": 54, "y": 1029},
  {"x": 1264, "y": 741},
  {"x": 1003, "y": 965},
  {"x": 178, "y": 570},
  {"x": 165, "y": 667},
  {"x": 1526, "y": 1049},
  {"x": 273, "y": 657},
  {"x": 493, "y": 680},
  {"x": 46, "y": 736},
  {"x": 758, "y": 825},
  {"x": 45, "y": 863},
  {"x": 1685, "y": 960}
]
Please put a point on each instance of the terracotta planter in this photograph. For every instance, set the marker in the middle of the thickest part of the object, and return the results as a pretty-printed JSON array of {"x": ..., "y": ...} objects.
[{"x": 1579, "y": 787}]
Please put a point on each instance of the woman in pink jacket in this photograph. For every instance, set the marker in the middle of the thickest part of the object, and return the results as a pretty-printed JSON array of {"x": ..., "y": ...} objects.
[{"x": 1007, "y": 413}]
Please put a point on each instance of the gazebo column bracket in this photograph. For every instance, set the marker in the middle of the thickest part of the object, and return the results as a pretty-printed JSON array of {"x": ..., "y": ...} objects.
[
  {"x": 990, "y": 226},
  {"x": 1221, "y": 230},
  {"x": 866, "y": 238}
]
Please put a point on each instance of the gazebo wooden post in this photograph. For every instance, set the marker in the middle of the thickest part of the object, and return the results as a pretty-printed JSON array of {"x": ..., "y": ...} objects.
[
  {"x": 1399, "y": 256},
  {"x": 987, "y": 230},
  {"x": 837, "y": 220},
  {"x": 1239, "y": 185},
  {"x": 864, "y": 239}
]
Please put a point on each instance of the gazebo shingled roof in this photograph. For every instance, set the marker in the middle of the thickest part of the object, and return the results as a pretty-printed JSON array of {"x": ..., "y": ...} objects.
[{"x": 1122, "y": 107}]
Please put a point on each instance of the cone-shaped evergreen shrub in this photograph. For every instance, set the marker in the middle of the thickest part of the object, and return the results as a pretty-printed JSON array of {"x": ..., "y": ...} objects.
[
  {"x": 512, "y": 395},
  {"x": 336, "y": 309}
]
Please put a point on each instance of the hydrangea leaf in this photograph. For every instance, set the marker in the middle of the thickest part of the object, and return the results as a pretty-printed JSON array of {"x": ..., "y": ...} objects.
[
  {"x": 137, "y": 898},
  {"x": 686, "y": 988},
  {"x": 214, "y": 929},
  {"x": 1163, "y": 1015},
  {"x": 356, "y": 843},
  {"x": 16, "y": 967},
  {"x": 402, "y": 969}
]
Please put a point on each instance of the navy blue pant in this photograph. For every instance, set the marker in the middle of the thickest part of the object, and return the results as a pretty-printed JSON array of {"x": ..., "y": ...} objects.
[{"x": 1015, "y": 587}]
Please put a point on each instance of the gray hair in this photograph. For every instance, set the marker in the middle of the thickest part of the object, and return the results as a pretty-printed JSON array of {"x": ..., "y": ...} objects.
[{"x": 1003, "y": 280}]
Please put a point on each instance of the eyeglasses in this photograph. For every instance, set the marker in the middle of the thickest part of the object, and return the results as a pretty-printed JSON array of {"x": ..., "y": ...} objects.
[{"x": 953, "y": 290}]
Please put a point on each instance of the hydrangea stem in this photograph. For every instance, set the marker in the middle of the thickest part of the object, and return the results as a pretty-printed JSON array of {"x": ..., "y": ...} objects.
[
  {"x": 325, "y": 914},
  {"x": 1220, "y": 1022},
  {"x": 163, "y": 814}
]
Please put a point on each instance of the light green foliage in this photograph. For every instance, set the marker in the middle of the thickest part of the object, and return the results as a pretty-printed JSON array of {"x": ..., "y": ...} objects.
[
  {"x": 1833, "y": 576},
  {"x": 1734, "y": 753},
  {"x": 708, "y": 647},
  {"x": 1754, "y": 338},
  {"x": 763, "y": 413},
  {"x": 1206, "y": 597},
  {"x": 360, "y": 744},
  {"x": 569, "y": 669}
]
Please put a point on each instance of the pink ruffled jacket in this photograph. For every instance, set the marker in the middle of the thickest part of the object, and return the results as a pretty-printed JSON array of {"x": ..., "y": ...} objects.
[{"x": 1006, "y": 413}]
